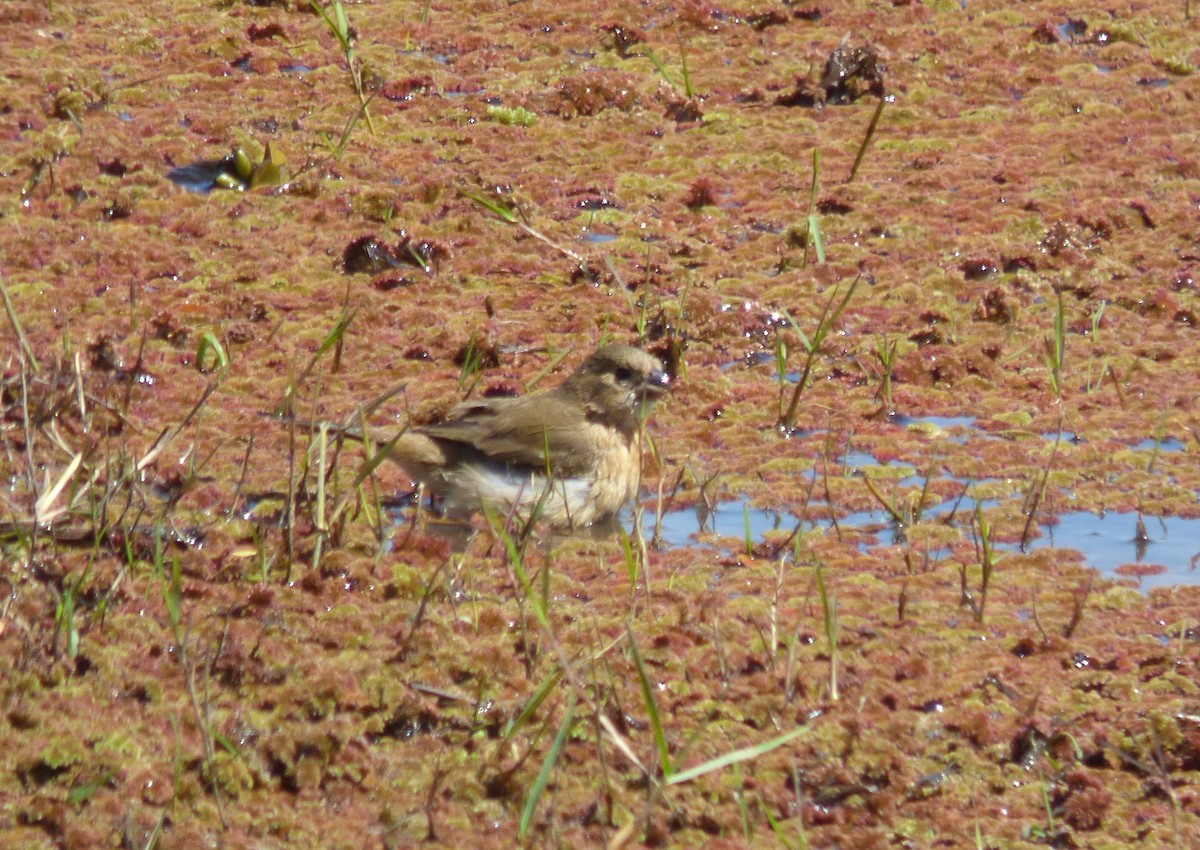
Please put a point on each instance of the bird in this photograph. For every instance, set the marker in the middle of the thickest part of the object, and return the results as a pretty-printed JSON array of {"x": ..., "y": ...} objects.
[{"x": 569, "y": 457}]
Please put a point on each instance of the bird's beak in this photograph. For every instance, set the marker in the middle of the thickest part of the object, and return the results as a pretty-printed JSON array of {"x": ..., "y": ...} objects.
[{"x": 655, "y": 385}]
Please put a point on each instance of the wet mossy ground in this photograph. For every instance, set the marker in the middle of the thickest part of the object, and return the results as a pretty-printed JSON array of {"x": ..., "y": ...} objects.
[{"x": 187, "y": 662}]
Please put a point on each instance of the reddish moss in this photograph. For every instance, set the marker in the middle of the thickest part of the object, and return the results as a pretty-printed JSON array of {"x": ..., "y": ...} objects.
[{"x": 388, "y": 671}]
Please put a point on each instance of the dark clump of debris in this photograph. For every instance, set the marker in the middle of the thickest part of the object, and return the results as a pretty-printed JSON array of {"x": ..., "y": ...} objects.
[{"x": 849, "y": 73}]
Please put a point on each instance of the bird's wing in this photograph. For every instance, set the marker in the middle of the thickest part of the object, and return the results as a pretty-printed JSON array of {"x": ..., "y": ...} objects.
[{"x": 517, "y": 432}]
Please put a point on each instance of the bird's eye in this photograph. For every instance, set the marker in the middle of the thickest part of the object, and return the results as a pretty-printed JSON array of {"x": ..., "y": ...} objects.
[{"x": 623, "y": 375}]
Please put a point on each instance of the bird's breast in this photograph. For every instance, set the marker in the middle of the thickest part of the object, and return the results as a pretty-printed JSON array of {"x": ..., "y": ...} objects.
[{"x": 618, "y": 473}]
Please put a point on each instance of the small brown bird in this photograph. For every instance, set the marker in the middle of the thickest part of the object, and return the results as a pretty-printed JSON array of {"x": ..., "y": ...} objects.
[{"x": 572, "y": 454}]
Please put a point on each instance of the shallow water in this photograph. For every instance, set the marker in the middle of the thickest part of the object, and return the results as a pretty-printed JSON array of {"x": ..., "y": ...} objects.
[
  {"x": 1109, "y": 541},
  {"x": 1106, "y": 542}
]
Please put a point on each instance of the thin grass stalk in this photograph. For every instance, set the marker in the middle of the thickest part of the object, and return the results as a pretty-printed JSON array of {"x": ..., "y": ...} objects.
[
  {"x": 331, "y": 339},
  {"x": 748, "y": 539},
  {"x": 27, "y": 355},
  {"x": 829, "y": 616},
  {"x": 510, "y": 215},
  {"x": 1078, "y": 603},
  {"x": 1056, "y": 345},
  {"x": 688, "y": 91},
  {"x": 631, "y": 568},
  {"x": 320, "y": 526},
  {"x": 739, "y": 795},
  {"x": 534, "y": 702},
  {"x": 167, "y": 435},
  {"x": 887, "y": 504},
  {"x": 773, "y": 642},
  {"x": 1159, "y": 433},
  {"x": 1038, "y": 493},
  {"x": 289, "y": 533},
  {"x": 237, "y": 490},
  {"x": 987, "y": 561},
  {"x": 777, "y": 828},
  {"x": 375, "y": 456},
  {"x": 658, "y": 66},
  {"x": 828, "y": 318},
  {"x": 30, "y": 442},
  {"x": 339, "y": 25},
  {"x": 862, "y": 149}
]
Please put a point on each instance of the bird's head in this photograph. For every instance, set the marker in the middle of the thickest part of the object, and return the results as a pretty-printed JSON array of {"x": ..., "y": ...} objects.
[{"x": 619, "y": 384}]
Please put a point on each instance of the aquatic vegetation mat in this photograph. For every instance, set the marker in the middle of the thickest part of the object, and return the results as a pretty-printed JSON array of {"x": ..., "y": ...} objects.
[{"x": 924, "y": 274}]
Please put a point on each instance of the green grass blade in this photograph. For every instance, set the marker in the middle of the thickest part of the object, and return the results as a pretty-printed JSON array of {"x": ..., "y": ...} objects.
[
  {"x": 11, "y": 312},
  {"x": 777, "y": 828},
  {"x": 829, "y": 613},
  {"x": 172, "y": 591},
  {"x": 501, "y": 211},
  {"x": 660, "y": 738},
  {"x": 737, "y": 756},
  {"x": 209, "y": 343},
  {"x": 862, "y": 149},
  {"x": 543, "y": 777},
  {"x": 372, "y": 463},
  {"x": 338, "y": 149},
  {"x": 658, "y": 66},
  {"x": 814, "y": 221},
  {"x": 539, "y": 696},
  {"x": 333, "y": 338},
  {"x": 814, "y": 233},
  {"x": 512, "y": 550},
  {"x": 688, "y": 91}
]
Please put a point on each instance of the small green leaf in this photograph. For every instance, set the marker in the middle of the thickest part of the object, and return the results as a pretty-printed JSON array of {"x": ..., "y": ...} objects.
[{"x": 209, "y": 343}]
